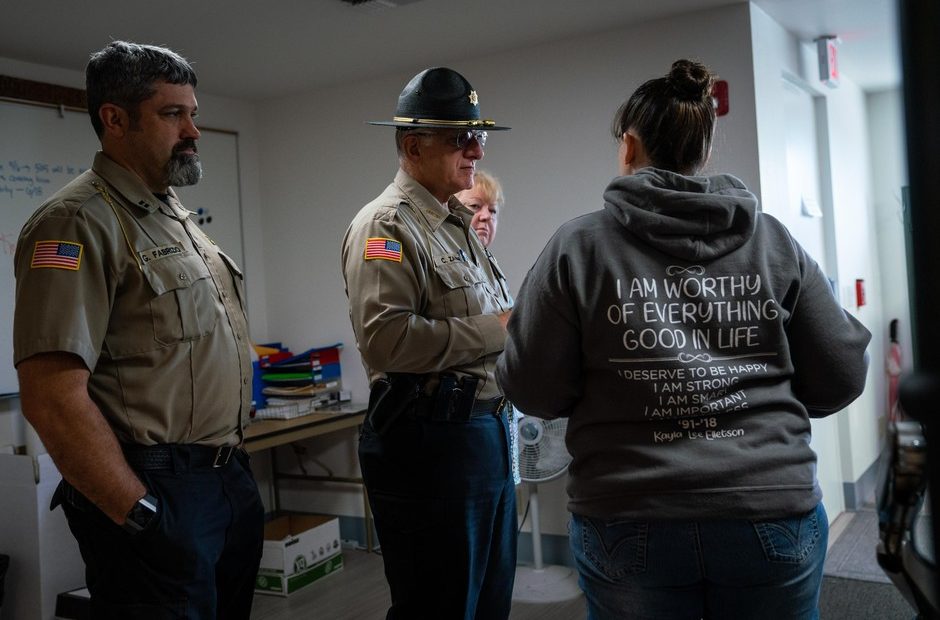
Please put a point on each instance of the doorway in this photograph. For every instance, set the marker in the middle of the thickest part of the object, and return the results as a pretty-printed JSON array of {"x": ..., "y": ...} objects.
[{"x": 808, "y": 216}]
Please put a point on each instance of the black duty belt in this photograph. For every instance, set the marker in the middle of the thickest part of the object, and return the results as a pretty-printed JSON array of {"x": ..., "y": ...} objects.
[
  {"x": 453, "y": 399},
  {"x": 491, "y": 406},
  {"x": 429, "y": 407},
  {"x": 171, "y": 456}
]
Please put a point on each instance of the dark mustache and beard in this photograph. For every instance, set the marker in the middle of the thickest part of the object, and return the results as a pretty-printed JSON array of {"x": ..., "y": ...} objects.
[{"x": 183, "y": 168}]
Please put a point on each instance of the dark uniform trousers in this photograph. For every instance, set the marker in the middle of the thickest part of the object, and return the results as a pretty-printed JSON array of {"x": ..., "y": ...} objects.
[
  {"x": 445, "y": 512},
  {"x": 197, "y": 560}
]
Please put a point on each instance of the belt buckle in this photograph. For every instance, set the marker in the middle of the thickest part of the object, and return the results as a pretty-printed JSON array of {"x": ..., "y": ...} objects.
[{"x": 222, "y": 456}]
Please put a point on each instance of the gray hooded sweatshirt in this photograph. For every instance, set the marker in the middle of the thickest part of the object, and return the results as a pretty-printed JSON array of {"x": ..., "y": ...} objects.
[{"x": 688, "y": 339}]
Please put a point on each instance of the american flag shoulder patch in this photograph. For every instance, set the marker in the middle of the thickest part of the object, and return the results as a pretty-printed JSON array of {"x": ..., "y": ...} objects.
[
  {"x": 57, "y": 255},
  {"x": 380, "y": 248}
]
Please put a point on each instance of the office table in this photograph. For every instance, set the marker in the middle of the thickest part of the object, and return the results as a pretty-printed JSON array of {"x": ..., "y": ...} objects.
[{"x": 270, "y": 433}]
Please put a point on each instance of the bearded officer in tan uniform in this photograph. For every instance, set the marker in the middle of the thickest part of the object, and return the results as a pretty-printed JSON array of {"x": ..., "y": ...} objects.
[
  {"x": 130, "y": 341},
  {"x": 429, "y": 308}
]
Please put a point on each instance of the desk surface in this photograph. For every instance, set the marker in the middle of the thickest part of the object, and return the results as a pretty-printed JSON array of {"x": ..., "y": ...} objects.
[{"x": 268, "y": 433}]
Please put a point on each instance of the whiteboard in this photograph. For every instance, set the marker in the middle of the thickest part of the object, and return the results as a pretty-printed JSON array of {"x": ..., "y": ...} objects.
[{"x": 42, "y": 148}]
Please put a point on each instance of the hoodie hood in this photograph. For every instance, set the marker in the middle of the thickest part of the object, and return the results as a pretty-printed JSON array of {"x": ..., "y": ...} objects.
[{"x": 692, "y": 218}]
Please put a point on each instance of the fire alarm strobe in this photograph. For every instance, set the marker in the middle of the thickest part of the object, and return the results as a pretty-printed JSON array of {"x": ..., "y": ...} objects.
[{"x": 720, "y": 97}]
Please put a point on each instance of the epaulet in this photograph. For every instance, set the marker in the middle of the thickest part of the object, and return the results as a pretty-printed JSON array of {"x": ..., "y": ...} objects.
[
  {"x": 102, "y": 189},
  {"x": 389, "y": 212}
]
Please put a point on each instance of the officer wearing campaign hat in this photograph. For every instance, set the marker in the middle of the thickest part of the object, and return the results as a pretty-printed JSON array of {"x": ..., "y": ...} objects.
[{"x": 429, "y": 306}]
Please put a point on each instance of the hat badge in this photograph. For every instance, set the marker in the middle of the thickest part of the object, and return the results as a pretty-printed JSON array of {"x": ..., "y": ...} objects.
[{"x": 474, "y": 100}]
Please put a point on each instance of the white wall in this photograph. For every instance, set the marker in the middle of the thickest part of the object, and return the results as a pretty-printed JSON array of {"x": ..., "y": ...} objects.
[
  {"x": 42, "y": 73},
  {"x": 321, "y": 163},
  {"x": 862, "y": 425},
  {"x": 853, "y": 251},
  {"x": 889, "y": 175}
]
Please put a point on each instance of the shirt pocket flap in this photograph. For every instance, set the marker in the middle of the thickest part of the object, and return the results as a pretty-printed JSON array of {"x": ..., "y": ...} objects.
[
  {"x": 174, "y": 273},
  {"x": 459, "y": 274}
]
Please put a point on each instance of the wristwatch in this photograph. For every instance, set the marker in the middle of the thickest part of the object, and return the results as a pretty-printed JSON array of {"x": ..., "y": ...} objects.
[{"x": 141, "y": 515}]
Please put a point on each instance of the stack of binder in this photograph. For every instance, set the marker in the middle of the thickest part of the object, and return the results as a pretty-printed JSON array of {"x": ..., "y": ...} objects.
[{"x": 297, "y": 384}]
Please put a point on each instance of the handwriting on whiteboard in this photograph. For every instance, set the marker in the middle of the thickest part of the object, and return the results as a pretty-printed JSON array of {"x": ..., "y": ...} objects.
[{"x": 34, "y": 179}]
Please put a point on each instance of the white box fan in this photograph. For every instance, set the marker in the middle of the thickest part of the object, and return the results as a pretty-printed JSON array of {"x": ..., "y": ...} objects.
[{"x": 543, "y": 456}]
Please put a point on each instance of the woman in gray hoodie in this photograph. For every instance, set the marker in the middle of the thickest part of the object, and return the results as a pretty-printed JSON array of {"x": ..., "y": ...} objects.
[{"x": 689, "y": 339}]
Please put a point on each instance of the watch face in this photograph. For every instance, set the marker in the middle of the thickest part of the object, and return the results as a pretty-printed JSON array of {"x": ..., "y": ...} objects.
[
  {"x": 141, "y": 514},
  {"x": 148, "y": 503}
]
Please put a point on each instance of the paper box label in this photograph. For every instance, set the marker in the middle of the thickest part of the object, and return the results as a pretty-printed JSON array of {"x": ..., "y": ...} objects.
[{"x": 278, "y": 583}]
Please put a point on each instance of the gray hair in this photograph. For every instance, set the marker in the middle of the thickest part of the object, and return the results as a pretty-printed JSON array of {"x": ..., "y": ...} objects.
[
  {"x": 402, "y": 132},
  {"x": 125, "y": 73}
]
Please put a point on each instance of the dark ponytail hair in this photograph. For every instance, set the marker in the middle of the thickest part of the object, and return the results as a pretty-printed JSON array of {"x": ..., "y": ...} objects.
[{"x": 674, "y": 117}]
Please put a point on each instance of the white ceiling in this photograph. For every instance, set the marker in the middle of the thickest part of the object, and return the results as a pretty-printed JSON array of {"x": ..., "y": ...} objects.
[{"x": 256, "y": 51}]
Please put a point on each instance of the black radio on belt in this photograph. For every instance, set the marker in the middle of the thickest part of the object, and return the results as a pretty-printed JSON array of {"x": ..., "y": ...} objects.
[{"x": 453, "y": 400}]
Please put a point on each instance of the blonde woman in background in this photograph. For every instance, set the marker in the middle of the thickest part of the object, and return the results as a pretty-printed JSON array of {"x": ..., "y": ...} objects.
[{"x": 486, "y": 200}]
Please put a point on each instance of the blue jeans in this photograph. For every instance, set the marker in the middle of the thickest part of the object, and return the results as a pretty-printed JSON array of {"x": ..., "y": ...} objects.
[
  {"x": 445, "y": 511},
  {"x": 678, "y": 570}
]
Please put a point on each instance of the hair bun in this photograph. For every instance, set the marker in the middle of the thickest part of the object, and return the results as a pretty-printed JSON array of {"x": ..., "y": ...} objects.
[{"x": 690, "y": 80}]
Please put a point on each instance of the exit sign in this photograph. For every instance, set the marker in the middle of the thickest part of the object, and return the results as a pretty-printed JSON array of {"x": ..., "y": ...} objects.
[{"x": 828, "y": 60}]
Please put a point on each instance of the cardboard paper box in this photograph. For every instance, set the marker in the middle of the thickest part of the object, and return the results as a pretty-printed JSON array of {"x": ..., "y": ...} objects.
[
  {"x": 298, "y": 550},
  {"x": 282, "y": 585}
]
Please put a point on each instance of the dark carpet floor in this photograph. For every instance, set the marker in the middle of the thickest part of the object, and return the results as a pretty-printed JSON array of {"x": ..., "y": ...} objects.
[
  {"x": 854, "y": 586},
  {"x": 853, "y": 599},
  {"x": 852, "y": 556}
]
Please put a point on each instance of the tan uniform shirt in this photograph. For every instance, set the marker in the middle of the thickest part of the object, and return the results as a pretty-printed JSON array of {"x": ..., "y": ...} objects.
[
  {"x": 432, "y": 307},
  {"x": 107, "y": 271}
]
